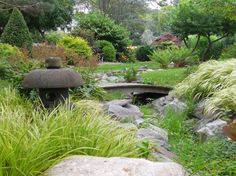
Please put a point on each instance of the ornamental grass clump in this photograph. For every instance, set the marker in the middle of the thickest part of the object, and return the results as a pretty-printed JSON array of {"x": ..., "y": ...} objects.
[
  {"x": 214, "y": 81},
  {"x": 33, "y": 140}
]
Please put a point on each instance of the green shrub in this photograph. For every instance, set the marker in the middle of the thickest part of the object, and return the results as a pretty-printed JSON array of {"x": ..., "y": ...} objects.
[
  {"x": 85, "y": 34},
  {"x": 90, "y": 89},
  {"x": 143, "y": 52},
  {"x": 10, "y": 52},
  {"x": 16, "y": 31},
  {"x": 104, "y": 28},
  {"x": 34, "y": 140},
  {"x": 179, "y": 56},
  {"x": 162, "y": 57},
  {"x": 54, "y": 37},
  {"x": 229, "y": 52},
  {"x": 131, "y": 75},
  {"x": 213, "y": 81},
  {"x": 76, "y": 44},
  {"x": 107, "y": 49}
]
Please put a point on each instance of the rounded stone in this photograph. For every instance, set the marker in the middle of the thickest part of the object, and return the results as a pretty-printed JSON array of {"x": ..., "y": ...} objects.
[
  {"x": 53, "y": 62},
  {"x": 52, "y": 78}
]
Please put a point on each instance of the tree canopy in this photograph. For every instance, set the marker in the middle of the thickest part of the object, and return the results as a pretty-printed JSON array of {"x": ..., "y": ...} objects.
[
  {"x": 40, "y": 15},
  {"x": 193, "y": 17}
]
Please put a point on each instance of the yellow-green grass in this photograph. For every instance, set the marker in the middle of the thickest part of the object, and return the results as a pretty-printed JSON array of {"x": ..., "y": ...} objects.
[{"x": 33, "y": 139}]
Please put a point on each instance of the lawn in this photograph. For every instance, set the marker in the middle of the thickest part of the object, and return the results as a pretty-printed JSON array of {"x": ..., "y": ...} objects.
[
  {"x": 169, "y": 77},
  {"x": 122, "y": 66}
]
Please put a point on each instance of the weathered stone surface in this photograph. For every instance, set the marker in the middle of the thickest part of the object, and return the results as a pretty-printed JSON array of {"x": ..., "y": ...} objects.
[
  {"x": 124, "y": 112},
  {"x": 156, "y": 135},
  {"x": 95, "y": 166},
  {"x": 52, "y": 78},
  {"x": 214, "y": 128},
  {"x": 164, "y": 103}
]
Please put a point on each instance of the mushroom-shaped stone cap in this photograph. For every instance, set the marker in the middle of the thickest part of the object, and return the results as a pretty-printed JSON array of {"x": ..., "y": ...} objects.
[{"x": 52, "y": 78}]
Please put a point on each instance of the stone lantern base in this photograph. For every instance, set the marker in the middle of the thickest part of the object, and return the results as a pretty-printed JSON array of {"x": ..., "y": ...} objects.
[{"x": 53, "y": 97}]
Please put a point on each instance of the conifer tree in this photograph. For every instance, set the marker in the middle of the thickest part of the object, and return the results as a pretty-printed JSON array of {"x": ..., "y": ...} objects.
[{"x": 16, "y": 31}]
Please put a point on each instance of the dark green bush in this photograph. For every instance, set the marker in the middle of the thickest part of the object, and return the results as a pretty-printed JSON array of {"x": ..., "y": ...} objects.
[
  {"x": 229, "y": 52},
  {"x": 106, "y": 49},
  {"x": 104, "y": 28},
  {"x": 16, "y": 31},
  {"x": 143, "y": 52},
  {"x": 85, "y": 34}
]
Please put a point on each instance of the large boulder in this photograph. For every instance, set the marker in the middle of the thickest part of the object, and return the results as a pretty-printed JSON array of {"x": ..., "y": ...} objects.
[
  {"x": 123, "y": 111},
  {"x": 164, "y": 103},
  {"x": 154, "y": 134},
  {"x": 97, "y": 166},
  {"x": 212, "y": 129}
]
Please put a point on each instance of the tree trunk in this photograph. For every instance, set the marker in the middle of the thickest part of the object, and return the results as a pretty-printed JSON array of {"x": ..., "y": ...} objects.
[
  {"x": 204, "y": 56},
  {"x": 196, "y": 45}
]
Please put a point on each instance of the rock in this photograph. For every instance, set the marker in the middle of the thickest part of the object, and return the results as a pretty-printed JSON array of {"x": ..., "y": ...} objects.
[
  {"x": 212, "y": 129},
  {"x": 124, "y": 112},
  {"x": 98, "y": 166},
  {"x": 161, "y": 154},
  {"x": 164, "y": 103},
  {"x": 156, "y": 135}
]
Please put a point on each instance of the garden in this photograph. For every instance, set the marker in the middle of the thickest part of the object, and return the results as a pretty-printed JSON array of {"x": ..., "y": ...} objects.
[{"x": 134, "y": 88}]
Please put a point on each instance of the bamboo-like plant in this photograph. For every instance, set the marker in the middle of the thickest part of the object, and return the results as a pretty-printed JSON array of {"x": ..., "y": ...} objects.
[
  {"x": 214, "y": 81},
  {"x": 31, "y": 140}
]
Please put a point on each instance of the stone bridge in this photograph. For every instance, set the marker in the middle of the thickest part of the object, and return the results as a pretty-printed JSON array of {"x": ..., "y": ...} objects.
[{"x": 135, "y": 88}]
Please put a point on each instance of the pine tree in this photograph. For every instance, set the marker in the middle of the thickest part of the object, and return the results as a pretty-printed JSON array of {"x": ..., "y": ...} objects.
[{"x": 16, "y": 31}]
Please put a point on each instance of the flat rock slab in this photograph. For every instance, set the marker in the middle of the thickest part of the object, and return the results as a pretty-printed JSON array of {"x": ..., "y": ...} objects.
[{"x": 97, "y": 166}]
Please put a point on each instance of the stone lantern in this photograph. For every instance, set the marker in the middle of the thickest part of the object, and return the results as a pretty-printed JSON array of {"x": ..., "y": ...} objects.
[{"x": 53, "y": 83}]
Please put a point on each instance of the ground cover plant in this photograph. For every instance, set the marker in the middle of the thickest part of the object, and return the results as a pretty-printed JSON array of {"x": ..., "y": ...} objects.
[
  {"x": 32, "y": 139},
  {"x": 211, "y": 78},
  {"x": 214, "y": 157}
]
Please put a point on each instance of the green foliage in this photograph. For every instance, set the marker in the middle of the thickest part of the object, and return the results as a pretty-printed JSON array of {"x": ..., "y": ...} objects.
[
  {"x": 54, "y": 37},
  {"x": 179, "y": 56},
  {"x": 107, "y": 49},
  {"x": 143, "y": 52},
  {"x": 90, "y": 89},
  {"x": 105, "y": 28},
  {"x": 162, "y": 57},
  {"x": 145, "y": 148},
  {"x": 10, "y": 52},
  {"x": 215, "y": 50},
  {"x": 131, "y": 75},
  {"x": 196, "y": 18},
  {"x": 193, "y": 153},
  {"x": 76, "y": 44},
  {"x": 16, "y": 31},
  {"x": 40, "y": 15},
  {"x": 34, "y": 140},
  {"x": 85, "y": 34},
  {"x": 211, "y": 78},
  {"x": 229, "y": 52}
]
